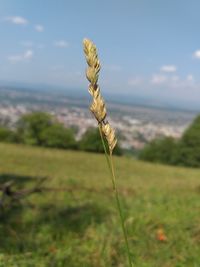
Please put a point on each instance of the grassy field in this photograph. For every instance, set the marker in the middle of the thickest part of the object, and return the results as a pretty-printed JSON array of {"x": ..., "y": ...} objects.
[{"x": 77, "y": 225}]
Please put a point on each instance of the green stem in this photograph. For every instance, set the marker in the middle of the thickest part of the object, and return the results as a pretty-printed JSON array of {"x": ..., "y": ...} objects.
[
  {"x": 120, "y": 210},
  {"x": 109, "y": 160},
  {"x": 104, "y": 147}
]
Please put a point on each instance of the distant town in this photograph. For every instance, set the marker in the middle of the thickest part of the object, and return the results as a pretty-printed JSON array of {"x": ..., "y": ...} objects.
[{"x": 135, "y": 125}]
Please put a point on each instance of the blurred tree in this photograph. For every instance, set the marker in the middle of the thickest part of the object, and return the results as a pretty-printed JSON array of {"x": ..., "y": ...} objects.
[
  {"x": 160, "y": 150},
  {"x": 40, "y": 129},
  {"x": 185, "y": 152},
  {"x": 6, "y": 135},
  {"x": 188, "y": 152},
  {"x": 58, "y": 136},
  {"x": 31, "y": 126}
]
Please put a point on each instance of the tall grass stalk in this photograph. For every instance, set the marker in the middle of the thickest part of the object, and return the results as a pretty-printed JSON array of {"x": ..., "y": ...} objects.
[
  {"x": 109, "y": 159},
  {"x": 98, "y": 108}
]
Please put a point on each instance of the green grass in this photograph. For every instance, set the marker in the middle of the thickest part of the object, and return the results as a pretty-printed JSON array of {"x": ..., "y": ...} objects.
[{"x": 77, "y": 225}]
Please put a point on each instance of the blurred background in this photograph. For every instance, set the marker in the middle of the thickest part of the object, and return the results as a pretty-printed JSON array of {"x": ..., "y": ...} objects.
[{"x": 55, "y": 194}]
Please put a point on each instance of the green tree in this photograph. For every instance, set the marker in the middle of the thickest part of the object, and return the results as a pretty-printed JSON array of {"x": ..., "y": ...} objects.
[
  {"x": 185, "y": 152},
  {"x": 188, "y": 153},
  {"x": 160, "y": 150},
  {"x": 6, "y": 135},
  {"x": 58, "y": 136},
  {"x": 31, "y": 126}
]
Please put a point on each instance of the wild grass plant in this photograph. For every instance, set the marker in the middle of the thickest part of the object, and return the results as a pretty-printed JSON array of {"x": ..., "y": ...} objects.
[{"x": 107, "y": 133}]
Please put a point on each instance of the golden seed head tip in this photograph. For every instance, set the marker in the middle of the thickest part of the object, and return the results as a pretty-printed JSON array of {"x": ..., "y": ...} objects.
[
  {"x": 86, "y": 42},
  {"x": 89, "y": 46}
]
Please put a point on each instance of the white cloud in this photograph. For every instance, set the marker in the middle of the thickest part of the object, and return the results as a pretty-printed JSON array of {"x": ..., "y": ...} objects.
[
  {"x": 39, "y": 28},
  {"x": 27, "y": 55},
  {"x": 29, "y": 44},
  {"x": 173, "y": 81},
  {"x": 190, "y": 78},
  {"x": 158, "y": 79},
  {"x": 61, "y": 43},
  {"x": 135, "y": 81},
  {"x": 17, "y": 20},
  {"x": 168, "y": 68},
  {"x": 15, "y": 58},
  {"x": 196, "y": 54},
  {"x": 175, "y": 78}
]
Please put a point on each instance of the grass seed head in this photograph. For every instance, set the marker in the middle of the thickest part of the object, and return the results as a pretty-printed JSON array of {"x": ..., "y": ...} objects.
[{"x": 97, "y": 107}]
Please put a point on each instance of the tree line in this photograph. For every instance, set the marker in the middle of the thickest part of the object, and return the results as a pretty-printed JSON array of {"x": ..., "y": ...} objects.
[
  {"x": 183, "y": 152},
  {"x": 42, "y": 129}
]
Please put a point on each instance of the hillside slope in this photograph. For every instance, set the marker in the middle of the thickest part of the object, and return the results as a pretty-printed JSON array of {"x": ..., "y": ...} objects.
[{"x": 76, "y": 224}]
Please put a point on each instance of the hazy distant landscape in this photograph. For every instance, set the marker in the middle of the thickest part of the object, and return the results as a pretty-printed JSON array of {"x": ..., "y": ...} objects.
[{"x": 136, "y": 125}]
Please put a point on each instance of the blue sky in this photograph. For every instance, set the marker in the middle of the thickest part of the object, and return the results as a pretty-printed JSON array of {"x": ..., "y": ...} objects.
[{"x": 148, "y": 48}]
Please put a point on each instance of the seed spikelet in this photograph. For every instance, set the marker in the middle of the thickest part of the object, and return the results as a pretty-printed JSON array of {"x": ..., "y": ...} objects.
[
  {"x": 97, "y": 106},
  {"x": 109, "y": 133}
]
